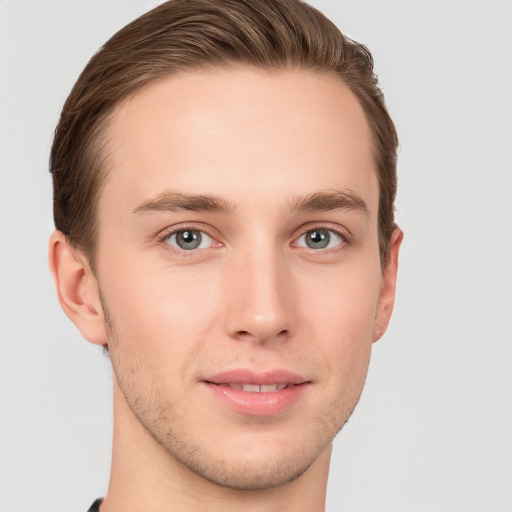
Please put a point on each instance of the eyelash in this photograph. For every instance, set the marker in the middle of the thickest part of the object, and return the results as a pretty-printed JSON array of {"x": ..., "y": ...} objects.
[
  {"x": 345, "y": 236},
  {"x": 162, "y": 239}
]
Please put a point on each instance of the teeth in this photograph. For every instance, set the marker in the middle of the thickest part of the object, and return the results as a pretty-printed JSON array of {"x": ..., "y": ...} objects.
[
  {"x": 254, "y": 388},
  {"x": 251, "y": 388}
]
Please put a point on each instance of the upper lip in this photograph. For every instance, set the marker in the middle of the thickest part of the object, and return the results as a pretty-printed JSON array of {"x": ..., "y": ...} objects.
[{"x": 246, "y": 376}]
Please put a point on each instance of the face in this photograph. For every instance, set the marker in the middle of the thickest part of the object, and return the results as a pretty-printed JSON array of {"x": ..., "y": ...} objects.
[{"x": 239, "y": 268}]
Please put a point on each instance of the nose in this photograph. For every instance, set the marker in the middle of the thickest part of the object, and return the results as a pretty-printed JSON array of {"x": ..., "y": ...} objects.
[{"x": 260, "y": 297}]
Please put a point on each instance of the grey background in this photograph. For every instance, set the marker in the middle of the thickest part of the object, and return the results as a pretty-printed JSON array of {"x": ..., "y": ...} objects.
[{"x": 433, "y": 431}]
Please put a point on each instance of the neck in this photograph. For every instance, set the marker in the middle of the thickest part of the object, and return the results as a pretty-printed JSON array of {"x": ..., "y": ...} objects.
[{"x": 145, "y": 477}]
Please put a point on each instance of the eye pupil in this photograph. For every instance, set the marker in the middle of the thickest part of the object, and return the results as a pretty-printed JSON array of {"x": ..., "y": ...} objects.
[
  {"x": 188, "y": 239},
  {"x": 318, "y": 239}
]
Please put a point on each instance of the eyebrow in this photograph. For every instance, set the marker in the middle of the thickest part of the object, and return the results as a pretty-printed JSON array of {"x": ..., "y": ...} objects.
[
  {"x": 175, "y": 201},
  {"x": 317, "y": 201},
  {"x": 329, "y": 200}
]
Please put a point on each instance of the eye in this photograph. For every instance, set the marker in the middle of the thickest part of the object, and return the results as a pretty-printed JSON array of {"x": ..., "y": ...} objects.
[
  {"x": 189, "y": 239},
  {"x": 320, "y": 239}
]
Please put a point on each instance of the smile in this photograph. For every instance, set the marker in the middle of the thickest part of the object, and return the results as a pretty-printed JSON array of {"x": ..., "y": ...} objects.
[
  {"x": 255, "y": 388},
  {"x": 257, "y": 394}
]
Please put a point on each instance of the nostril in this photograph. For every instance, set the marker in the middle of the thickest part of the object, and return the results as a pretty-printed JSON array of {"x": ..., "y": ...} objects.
[{"x": 260, "y": 336}]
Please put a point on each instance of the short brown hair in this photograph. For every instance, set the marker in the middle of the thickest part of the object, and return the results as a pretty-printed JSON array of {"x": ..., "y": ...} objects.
[{"x": 198, "y": 34}]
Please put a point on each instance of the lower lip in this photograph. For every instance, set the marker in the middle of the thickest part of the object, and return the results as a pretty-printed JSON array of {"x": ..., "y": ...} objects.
[{"x": 258, "y": 404}]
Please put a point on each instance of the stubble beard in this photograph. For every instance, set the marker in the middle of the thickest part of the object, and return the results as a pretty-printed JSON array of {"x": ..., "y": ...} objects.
[{"x": 167, "y": 427}]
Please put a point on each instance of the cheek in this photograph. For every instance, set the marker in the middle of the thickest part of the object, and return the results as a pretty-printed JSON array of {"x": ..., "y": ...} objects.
[
  {"x": 162, "y": 313},
  {"x": 340, "y": 311},
  {"x": 344, "y": 298}
]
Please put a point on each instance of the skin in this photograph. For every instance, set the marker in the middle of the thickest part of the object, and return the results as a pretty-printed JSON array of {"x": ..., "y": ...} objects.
[{"x": 254, "y": 295}]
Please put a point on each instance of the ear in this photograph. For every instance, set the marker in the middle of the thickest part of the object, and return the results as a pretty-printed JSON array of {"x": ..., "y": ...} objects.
[
  {"x": 388, "y": 285},
  {"x": 77, "y": 288}
]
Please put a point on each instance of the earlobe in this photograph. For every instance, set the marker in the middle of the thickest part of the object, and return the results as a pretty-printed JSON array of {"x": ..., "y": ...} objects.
[
  {"x": 388, "y": 287},
  {"x": 77, "y": 288}
]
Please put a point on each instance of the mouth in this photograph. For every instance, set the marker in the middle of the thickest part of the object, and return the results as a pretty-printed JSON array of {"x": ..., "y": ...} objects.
[
  {"x": 255, "y": 388},
  {"x": 258, "y": 394}
]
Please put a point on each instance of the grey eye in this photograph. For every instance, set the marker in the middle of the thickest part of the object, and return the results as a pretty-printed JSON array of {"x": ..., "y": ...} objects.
[
  {"x": 189, "y": 239},
  {"x": 319, "y": 239}
]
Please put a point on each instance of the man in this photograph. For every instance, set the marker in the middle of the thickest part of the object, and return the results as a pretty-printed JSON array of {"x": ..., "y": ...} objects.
[{"x": 224, "y": 179}]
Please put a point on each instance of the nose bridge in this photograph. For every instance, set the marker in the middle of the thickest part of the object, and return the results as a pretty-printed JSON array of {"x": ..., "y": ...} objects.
[{"x": 259, "y": 289}]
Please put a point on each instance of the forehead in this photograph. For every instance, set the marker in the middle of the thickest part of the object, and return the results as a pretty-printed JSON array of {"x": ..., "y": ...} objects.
[{"x": 242, "y": 134}]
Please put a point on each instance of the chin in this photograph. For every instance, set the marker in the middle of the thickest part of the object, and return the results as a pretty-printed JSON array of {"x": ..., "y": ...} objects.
[
  {"x": 251, "y": 461},
  {"x": 236, "y": 474}
]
